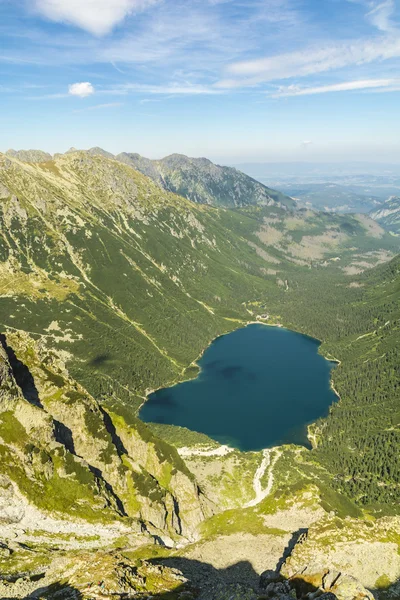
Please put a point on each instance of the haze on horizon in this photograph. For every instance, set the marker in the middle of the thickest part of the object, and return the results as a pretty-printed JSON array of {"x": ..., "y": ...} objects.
[{"x": 238, "y": 82}]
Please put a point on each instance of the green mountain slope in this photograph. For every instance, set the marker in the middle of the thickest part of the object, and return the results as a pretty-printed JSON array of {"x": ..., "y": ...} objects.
[
  {"x": 359, "y": 441},
  {"x": 388, "y": 215},
  {"x": 128, "y": 261},
  {"x": 143, "y": 273}
]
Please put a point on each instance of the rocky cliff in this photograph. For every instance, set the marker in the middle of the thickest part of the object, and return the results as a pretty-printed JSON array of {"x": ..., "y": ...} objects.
[{"x": 65, "y": 457}]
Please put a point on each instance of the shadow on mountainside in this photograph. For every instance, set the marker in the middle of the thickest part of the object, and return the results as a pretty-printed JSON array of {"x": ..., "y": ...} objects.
[
  {"x": 192, "y": 580},
  {"x": 236, "y": 582},
  {"x": 202, "y": 574},
  {"x": 185, "y": 579},
  {"x": 296, "y": 538},
  {"x": 22, "y": 375},
  {"x": 204, "y": 582}
]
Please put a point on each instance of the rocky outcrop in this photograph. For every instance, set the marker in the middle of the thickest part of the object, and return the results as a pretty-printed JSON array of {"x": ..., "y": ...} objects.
[
  {"x": 8, "y": 388},
  {"x": 88, "y": 575},
  {"x": 367, "y": 551},
  {"x": 115, "y": 472},
  {"x": 96, "y": 151},
  {"x": 325, "y": 584},
  {"x": 144, "y": 165}
]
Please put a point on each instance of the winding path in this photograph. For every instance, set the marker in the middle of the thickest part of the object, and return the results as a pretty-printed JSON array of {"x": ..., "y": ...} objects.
[
  {"x": 259, "y": 474},
  {"x": 270, "y": 457}
]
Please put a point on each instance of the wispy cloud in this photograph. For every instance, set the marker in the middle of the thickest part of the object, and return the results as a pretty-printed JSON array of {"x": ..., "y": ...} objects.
[
  {"x": 294, "y": 90},
  {"x": 99, "y": 107},
  {"x": 173, "y": 89},
  {"x": 310, "y": 61},
  {"x": 197, "y": 47},
  {"x": 170, "y": 33},
  {"x": 96, "y": 16},
  {"x": 380, "y": 15}
]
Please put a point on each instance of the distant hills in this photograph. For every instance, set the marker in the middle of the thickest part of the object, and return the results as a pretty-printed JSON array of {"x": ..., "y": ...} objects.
[
  {"x": 197, "y": 179},
  {"x": 335, "y": 187},
  {"x": 332, "y": 197}
]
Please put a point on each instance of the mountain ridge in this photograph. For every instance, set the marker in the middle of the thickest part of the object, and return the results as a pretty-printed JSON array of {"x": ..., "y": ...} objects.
[{"x": 197, "y": 179}]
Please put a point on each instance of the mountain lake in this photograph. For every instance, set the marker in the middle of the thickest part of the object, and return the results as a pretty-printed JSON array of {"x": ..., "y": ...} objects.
[{"x": 258, "y": 387}]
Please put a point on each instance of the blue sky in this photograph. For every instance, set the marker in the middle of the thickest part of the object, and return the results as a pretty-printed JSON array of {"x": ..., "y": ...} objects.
[{"x": 234, "y": 80}]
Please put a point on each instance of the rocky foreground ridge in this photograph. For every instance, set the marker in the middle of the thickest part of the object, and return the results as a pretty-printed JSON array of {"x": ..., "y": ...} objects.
[{"x": 101, "y": 575}]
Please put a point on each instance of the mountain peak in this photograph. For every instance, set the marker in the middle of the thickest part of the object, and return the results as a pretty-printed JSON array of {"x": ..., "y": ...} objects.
[{"x": 97, "y": 151}]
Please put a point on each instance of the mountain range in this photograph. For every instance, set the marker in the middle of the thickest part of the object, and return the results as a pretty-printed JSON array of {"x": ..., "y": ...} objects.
[
  {"x": 197, "y": 179},
  {"x": 111, "y": 286}
]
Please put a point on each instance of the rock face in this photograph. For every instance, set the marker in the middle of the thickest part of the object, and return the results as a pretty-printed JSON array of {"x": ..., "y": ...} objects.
[
  {"x": 201, "y": 181},
  {"x": 89, "y": 575},
  {"x": 367, "y": 552},
  {"x": 388, "y": 214},
  {"x": 144, "y": 165}
]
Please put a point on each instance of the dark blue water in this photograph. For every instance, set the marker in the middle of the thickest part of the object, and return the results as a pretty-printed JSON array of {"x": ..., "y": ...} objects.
[{"x": 258, "y": 387}]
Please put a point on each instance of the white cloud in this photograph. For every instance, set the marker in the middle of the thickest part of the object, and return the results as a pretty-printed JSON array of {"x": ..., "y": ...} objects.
[
  {"x": 294, "y": 90},
  {"x": 82, "y": 89},
  {"x": 96, "y": 16},
  {"x": 306, "y": 143},
  {"x": 311, "y": 61}
]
